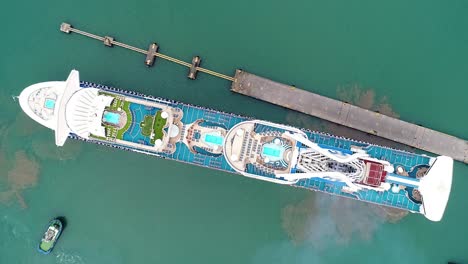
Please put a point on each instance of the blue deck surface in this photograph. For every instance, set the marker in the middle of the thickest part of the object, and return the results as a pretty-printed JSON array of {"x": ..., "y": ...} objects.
[
  {"x": 133, "y": 134},
  {"x": 396, "y": 157},
  {"x": 192, "y": 114}
]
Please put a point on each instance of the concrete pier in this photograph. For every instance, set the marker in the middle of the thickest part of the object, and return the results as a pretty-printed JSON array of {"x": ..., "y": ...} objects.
[{"x": 349, "y": 115}]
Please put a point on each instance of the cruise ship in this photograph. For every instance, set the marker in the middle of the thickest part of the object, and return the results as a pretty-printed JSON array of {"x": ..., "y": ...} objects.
[{"x": 249, "y": 147}]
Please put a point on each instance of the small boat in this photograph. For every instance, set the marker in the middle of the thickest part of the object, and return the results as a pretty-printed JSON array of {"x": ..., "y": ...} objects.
[{"x": 50, "y": 237}]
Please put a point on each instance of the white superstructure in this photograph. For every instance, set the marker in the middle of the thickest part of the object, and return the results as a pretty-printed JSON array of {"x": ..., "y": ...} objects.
[{"x": 65, "y": 107}]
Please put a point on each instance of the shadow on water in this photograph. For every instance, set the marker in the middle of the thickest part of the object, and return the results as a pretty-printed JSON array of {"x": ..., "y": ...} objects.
[{"x": 63, "y": 219}]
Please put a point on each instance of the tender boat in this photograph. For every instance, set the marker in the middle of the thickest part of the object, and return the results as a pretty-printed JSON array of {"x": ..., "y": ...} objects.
[{"x": 47, "y": 243}]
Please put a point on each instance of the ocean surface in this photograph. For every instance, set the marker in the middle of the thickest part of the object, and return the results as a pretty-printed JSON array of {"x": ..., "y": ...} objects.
[{"x": 404, "y": 58}]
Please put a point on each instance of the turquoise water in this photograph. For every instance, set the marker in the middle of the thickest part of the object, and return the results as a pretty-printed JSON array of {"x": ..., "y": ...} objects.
[
  {"x": 271, "y": 150},
  {"x": 112, "y": 118},
  {"x": 214, "y": 139},
  {"x": 406, "y": 58},
  {"x": 50, "y": 103}
]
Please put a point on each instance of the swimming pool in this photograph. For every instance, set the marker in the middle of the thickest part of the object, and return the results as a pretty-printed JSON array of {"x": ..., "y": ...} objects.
[
  {"x": 273, "y": 151},
  {"x": 214, "y": 139},
  {"x": 270, "y": 151},
  {"x": 112, "y": 118},
  {"x": 49, "y": 103}
]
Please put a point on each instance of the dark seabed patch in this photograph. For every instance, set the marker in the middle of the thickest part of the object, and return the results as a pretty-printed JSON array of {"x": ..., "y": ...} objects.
[
  {"x": 18, "y": 132},
  {"x": 23, "y": 175},
  {"x": 295, "y": 218},
  {"x": 365, "y": 98},
  {"x": 45, "y": 149},
  {"x": 324, "y": 220},
  {"x": 25, "y": 126}
]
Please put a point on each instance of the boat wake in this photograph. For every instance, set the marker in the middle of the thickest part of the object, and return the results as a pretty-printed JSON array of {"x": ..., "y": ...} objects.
[
  {"x": 15, "y": 229},
  {"x": 69, "y": 258}
]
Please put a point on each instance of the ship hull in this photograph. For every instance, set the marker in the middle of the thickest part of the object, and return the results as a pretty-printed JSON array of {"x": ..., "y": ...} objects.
[
  {"x": 396, "y": 157},
  {"x": 242, "y": 145}
]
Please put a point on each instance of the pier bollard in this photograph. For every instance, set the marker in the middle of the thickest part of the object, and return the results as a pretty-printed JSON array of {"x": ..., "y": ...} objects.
[
  {"x": 193, "y": 69},
  {"x": 108, "y": 41},
  {"x": 65, "y": 28},
  {"x": 151, "y": 55}
]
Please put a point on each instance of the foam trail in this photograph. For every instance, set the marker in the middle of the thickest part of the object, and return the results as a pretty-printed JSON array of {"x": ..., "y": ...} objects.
[{"x": 68, "y": 258}]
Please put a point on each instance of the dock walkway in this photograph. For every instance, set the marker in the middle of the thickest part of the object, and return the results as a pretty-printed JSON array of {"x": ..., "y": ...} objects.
[{"x": 349, "y": 115}]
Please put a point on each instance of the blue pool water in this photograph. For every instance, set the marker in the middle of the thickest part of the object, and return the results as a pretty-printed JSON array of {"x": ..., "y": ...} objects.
[
  {"x": 214, "y": 139},
  {"x": 112, "y": 118},
  {"x": 50, "y": 103},
  {"x": 270, "y": 151}
]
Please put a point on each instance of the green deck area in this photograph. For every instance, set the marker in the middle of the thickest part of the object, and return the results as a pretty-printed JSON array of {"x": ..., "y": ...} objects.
[
  {"x": 107, "y": 93},
  {"x": 158, "y": 127},
  {"x": 46, "y": 245},
  {"x": 112, "y": 132},
  {"x": 116, "y": 104},
  {"x": 147, "y": 125},
  {"x": 151, "y": 124},
  {"x": 98, "y": 137},
  {"x": 126, "y": 109}
]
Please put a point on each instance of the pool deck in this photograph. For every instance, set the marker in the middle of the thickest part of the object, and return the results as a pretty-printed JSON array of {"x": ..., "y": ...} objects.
[
  {"x": 192, "y": 113},
  {"x": 349, "y": 115}
]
